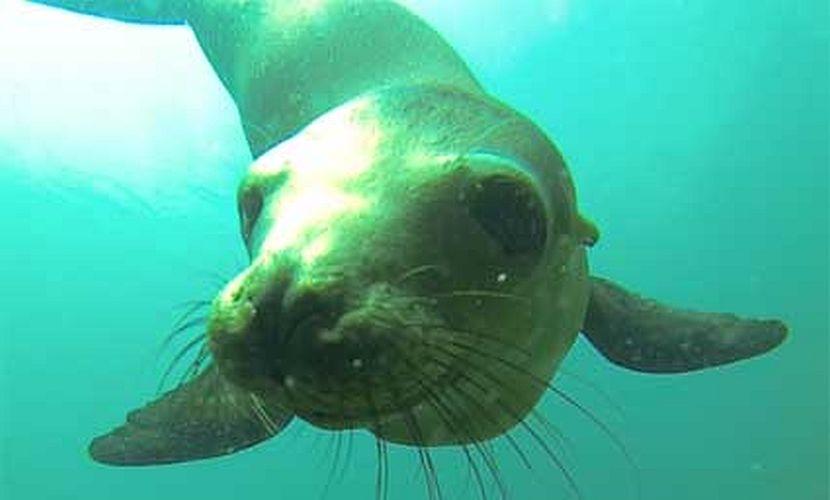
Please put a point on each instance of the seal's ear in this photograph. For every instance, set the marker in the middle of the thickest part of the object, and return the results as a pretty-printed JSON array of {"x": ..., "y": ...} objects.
[
  {"x": 206, "y": 417},
  {"x": 646, "y": 336}
]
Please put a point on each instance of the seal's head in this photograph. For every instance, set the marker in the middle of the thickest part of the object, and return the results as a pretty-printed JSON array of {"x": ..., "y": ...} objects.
[{"x": 416, "y": 263}]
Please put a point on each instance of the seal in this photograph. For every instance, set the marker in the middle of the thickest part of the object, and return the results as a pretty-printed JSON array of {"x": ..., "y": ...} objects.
[{"x": 418, "y": 260}]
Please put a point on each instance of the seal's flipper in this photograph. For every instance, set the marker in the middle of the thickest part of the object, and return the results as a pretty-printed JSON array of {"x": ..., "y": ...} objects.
[
  {"x": 203, "y": 418},
  {"x": 131, "y": 11},
  {"x": 646, "y": 336}
]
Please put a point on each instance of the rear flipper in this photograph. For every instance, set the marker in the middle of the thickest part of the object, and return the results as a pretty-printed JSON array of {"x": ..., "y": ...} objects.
[
  {"x": 647, "y": 336},
  {"x": 203, "y": 418},
  {"x": 131, "y": 11}
]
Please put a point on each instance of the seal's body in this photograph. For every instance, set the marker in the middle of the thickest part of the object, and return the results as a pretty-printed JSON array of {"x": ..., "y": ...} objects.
[{"x": 418, "y": 260}]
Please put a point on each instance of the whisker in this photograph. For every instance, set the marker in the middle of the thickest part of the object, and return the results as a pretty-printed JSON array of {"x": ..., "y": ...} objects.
[
  {"x": 618, "y": 442},
  {"x": 525, "y": 302},
  {"x": 446, "y": 416},
  {"x": 190, "y": 306},
  {"x": 486, "y": 413},
  {"x": 385, "y": 454},
  {"x": 477, "y": 294},
  {"x": 555, "y": 459},
  {"x": 559, "y": 392},
  {"x": 421, "y": 459},
  {"x": 340, "y": 471},
  {"x": 335, "y": 461},
  {"x": 349, "y": 446},
  {"x": 333, "y": 472},
  {"x": 439, "y": 408},
  {"x": 195, "y": 365},
  {"x": 381, "y": 472},
  {"x": 179, "y": 356},
  {"x": 596, "y": 388},
  {"x": 520, "y": 421},
  {"x": 472, "y": 335},
  {"x": 427, "y": 466},
  {"x": 181, "y": 327},
  {"x": 271, "y": 428},
  {"x": 259, "y": 417},
  {"x": 556, "y": 434},
  {"x": 416, "y": 271},
  {"x": 214, "y": 279}
]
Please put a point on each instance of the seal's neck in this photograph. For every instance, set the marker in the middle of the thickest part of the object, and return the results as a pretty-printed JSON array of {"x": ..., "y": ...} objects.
[{"x": 286, "y": 62}]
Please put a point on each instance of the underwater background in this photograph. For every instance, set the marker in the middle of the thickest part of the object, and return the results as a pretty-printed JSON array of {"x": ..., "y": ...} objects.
[{"x": 697, "y": 132}]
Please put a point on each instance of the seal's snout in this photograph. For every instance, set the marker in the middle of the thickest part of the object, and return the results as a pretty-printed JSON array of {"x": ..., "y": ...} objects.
[
  {"x": 246, "y": 324},
  {"x": 266, "y": 330}
]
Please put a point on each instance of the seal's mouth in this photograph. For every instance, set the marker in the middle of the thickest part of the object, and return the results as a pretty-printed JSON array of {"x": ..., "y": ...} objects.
[
  {"x": 360, "y": 385},
  {"x": 338, "y": 363}
]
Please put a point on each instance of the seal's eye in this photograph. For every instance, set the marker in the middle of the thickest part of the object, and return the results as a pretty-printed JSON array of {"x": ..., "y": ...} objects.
[
  {"x": 250, "y": 207},
  {"x": 511, "y": 212}
]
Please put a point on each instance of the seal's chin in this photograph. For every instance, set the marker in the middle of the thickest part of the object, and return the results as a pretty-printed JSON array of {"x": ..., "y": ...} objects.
[
  {"x": 343, "y": 363},
  {"x": 367, "y": 396}
]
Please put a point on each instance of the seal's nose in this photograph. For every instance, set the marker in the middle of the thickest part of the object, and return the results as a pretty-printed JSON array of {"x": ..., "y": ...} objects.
[
  {"x": 245, "y": 325},
  {"x": 266, "y": 328}
]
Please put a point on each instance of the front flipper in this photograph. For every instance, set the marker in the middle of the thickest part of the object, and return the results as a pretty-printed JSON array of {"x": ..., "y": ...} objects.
[
  {"x": 203, "y": 418},
  {"x": 647, "y": 336}
]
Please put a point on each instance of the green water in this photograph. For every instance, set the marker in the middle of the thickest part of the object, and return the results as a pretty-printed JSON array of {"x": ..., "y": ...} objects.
[{"x": 698, "y": 136}]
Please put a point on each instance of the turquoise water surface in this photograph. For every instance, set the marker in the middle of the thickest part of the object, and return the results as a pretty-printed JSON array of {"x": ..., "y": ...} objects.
[{"x": 697, "y": 133}]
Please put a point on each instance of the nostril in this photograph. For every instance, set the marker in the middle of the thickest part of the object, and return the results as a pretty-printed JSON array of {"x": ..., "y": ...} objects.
[{"x": 250, "y": 208}]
